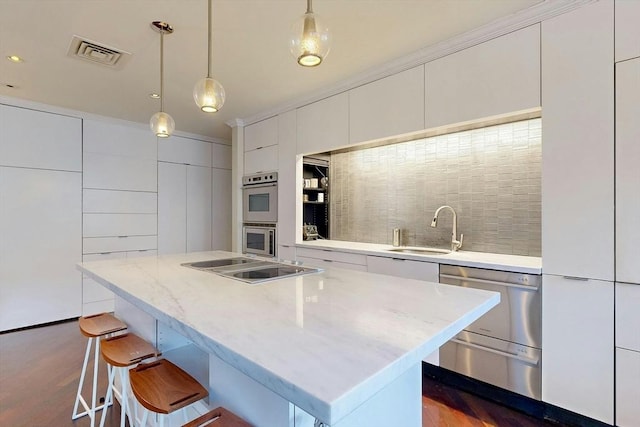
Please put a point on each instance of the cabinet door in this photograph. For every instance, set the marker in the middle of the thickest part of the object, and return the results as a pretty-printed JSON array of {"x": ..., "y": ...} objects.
[
  {"x": 261, "y": 134},
  {"x": 221, "y": 211},
  {"x": 105, "y": 225},
  {"x": 323, "y": 125},
  {"x": 221, "y": 156},
  {"x": 287, "y": 194},
  {"x": 627, "y": 29},
  {"x": 408, "y": 269},
  {"x": 198, "y": 222},
  {"x": 40, "y": 243},
  {"x": 578, "y": 147},
  {"x": 35, "y": 139},
  {"x": 187, "y": 151},
  {"x": 627, "y": 387},
  {"x": 496, "y": 77},
  {"x": 627, "y": 170},
  {"x": 112, "y": 172},
  {"x": 172, "y": 208},
  {"x": 261, "y": 160},
  {"x": 119, "y": 140},
  {"x": 389, "y": 106},
  {"x": 122, "y": 202},
  {"x": 628, "y": 316},
  {"x": 577, "y": 345}
]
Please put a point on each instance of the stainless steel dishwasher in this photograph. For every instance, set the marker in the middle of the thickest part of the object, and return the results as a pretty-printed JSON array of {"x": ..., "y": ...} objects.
[{"x": 503, "y": 347}]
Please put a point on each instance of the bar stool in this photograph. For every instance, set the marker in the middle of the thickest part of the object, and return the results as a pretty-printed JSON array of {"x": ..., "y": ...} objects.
[
  {"x": 164, "y": 388},
  {"x": 122, "y": 352},
  {"x": 94, "y": 327},
  {"x": 219, "y": 417}
]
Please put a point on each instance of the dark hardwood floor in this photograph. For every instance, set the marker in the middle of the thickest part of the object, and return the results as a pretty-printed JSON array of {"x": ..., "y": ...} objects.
[{"x": 40, "y": 369}]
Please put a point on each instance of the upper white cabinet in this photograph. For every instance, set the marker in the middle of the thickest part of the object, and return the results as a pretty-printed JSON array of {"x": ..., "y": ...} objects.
[
  {"x": 287, "y": 194},
  {"x": 185, "y": 150},
  {"x": 323, "y": 125},
  {"x": 118, "y": 140},
  {"x": 578, "y": 346},
  {"x": 387, "y": 107},
  {"x": 35, "y": 139},
  {"x": 628, "y": 170},
  {"x": 578, "y": 143},
  {"x": 263, "y": 159},
  {"x": 627, "y": 29},
  {"x": 261, "y": 134},
  {"x": 499, "y": 76},
  {"x": 40, "y": 243},
  {"x": 221, "y": 156}
]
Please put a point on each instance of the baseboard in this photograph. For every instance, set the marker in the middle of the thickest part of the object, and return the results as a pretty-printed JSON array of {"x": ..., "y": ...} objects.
[
  {"x": 39, "y": 325},
  {"x": 532, "y": 407}
]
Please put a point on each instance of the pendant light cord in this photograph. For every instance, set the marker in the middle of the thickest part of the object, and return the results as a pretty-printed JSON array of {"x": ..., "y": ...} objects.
[
  {"x": 162, "y": 70},
  {"x": 309, "y": 7},
  {"x": 210, "y": 42}
]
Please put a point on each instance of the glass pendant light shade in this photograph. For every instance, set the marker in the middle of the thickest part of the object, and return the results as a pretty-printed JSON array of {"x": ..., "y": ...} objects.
[
  {"x": 310, "y": 40},
  {"x": 162, "y": 124},
  {"x": 209, "y": 95}
]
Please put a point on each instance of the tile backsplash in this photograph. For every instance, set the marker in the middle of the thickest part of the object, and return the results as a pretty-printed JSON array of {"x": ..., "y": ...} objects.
[{"x": 491, "y": 177}]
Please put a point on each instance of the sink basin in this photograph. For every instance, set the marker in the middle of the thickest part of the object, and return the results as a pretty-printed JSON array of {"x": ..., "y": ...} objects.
[{"x": 419, "y": 250}]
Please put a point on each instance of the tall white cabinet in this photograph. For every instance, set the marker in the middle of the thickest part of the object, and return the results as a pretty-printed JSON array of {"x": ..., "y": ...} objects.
[
  {"x": 40, "y": 217},
  {"x": 578, "y": 211}
]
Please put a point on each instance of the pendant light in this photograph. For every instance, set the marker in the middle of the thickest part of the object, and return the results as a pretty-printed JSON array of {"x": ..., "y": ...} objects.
[
  {"x": 161, "y": 123},
  {"x": 208, "y": 92},
  {"x": 310, "y": 40}
]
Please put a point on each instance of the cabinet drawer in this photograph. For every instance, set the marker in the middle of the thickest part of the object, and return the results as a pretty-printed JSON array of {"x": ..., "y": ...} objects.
[
  {"x": 93, "y": 245},
  {"x": 117, "y": 201},
  {"x": 330, "y": 255},
  {"x": 119, "y": 173},
  {"x": 627, "y": 387},
  {"x": 326, "y": 263},
  {"x": 105, "y": 225},
  {"x": 185, "y": 150},
  {"x": 627, "y": 316},
  {"x": 406, "y": 268}
]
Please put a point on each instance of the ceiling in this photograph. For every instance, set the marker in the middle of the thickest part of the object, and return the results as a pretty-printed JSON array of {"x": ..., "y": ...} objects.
[{"x": 250, "y": 51}]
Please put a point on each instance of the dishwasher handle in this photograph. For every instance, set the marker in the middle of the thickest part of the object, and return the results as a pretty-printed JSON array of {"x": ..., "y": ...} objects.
[
  {"x": 534, "y": 361},
  {"x": 490, "y": 282}
]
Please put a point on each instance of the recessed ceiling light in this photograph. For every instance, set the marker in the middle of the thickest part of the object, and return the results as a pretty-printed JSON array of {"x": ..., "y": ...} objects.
[
  {"x": 154, "y": 96},
  {"x": 15, "y": 58},
  {"x": 9, "y": 85}
]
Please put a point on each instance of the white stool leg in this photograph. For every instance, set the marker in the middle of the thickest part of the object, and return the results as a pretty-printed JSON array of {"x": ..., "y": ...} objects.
[
  {"x": 144, "y": 417},
  {"x": 124, "y": 396},
  {"x": 109, "y": 396},
  {"x": 79, "y": 398}
]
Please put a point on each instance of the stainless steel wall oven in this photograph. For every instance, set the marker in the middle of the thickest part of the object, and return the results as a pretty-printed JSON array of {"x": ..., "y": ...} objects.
[{"x": 260, "y": 198}]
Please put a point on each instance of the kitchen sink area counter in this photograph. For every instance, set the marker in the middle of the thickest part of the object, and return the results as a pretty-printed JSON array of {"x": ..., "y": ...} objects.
[
  {"x": 462, "y": 258},
  {"x": 343, "y": 347}
]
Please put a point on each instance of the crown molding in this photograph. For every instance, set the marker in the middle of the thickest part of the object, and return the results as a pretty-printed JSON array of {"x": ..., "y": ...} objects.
[{"x": 516, "y": 21}]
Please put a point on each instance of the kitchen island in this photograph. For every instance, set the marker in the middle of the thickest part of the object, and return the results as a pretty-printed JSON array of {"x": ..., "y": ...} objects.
[{"x": 343, "y": 347}]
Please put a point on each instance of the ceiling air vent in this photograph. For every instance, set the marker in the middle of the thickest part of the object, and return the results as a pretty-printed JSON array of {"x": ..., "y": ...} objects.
[{"x": 97, "y": 53}]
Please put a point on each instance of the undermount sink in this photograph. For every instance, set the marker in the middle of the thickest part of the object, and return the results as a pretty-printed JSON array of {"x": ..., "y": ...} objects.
[{"x": 420, "y": 251}]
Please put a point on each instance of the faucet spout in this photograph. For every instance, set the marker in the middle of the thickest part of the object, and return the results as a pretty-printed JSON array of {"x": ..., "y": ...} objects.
[{"x": 455, "y": 243}]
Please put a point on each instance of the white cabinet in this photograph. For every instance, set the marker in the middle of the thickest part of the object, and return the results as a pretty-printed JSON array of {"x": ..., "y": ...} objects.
[
  {"x": 128, "y": 140},
  {"x": 40, "y": 243},
  {"x": 627, "y": 387},
  {"x": 409, "y": 269},
  {"x": 627, "y": 29},
  {"x": 386, "y": 107},
  {"x": 628, "y": 316},
  {"x": 287, "y": 187},
  {"x": 221, "y": 209},
  {"x": 35, "y": 139},
  {"x": 627, "y": 170},
  {"x": 578, "y": 346},
  {"x": 221, "y": 156},
  {"x": 185, "y": 150},
  {"x": 498, "y": 76},
  {"x": 261, "y": 134},
  {"x": 578, "y": 148},
  {"x": 327, "y": 258},
  {"x": 261, "y": 160},
  {"x": 184, "y": 208},
  {"x": 120, "y": 202},
  {"x": 323, "y": 125}
]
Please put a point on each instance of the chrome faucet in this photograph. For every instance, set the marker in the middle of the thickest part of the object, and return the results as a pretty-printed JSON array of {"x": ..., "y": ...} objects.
[{"x": 455, "y": 243}]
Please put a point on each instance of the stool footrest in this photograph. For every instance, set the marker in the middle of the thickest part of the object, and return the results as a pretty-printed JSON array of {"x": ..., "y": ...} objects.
[{"x": 219, "y": 417}]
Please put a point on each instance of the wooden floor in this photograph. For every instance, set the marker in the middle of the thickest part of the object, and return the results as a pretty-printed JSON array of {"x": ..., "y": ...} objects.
[{"x": 40, "y": 369}]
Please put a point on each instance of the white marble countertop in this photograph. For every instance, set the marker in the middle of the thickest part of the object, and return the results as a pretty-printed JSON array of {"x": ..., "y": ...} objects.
[
  {"x": 326, "y": 342},
  {"x": 515, "y": 263}
]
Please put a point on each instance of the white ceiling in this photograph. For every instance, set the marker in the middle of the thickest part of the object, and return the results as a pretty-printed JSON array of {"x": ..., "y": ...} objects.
[{"x": 250, "y": 53}]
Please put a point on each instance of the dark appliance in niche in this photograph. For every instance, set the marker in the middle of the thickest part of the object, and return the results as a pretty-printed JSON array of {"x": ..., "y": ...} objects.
[{"x": 315, "y": 197}]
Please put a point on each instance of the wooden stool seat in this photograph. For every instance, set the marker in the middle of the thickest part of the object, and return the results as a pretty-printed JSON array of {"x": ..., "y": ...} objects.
[
  {"x": 218, "y": 417},
  {"x": 126, "y": 350},
  {"x": 100, "y": 324},
  {"x": 162, "y": 387}
]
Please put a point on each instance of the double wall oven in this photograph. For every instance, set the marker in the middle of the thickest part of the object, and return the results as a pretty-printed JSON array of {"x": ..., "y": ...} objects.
[{"x": 259, "y": 213}]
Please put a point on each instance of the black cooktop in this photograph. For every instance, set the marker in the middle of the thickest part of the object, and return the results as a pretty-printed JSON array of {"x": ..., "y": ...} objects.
[
  {"x": 220, "y": 262},
  {"x": 268, "y": 272}
]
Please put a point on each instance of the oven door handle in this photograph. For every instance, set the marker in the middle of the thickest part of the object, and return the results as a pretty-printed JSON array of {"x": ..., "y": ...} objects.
[
  {"x": 528, "y": 360},
  {"x": 490, "y": 282}
]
